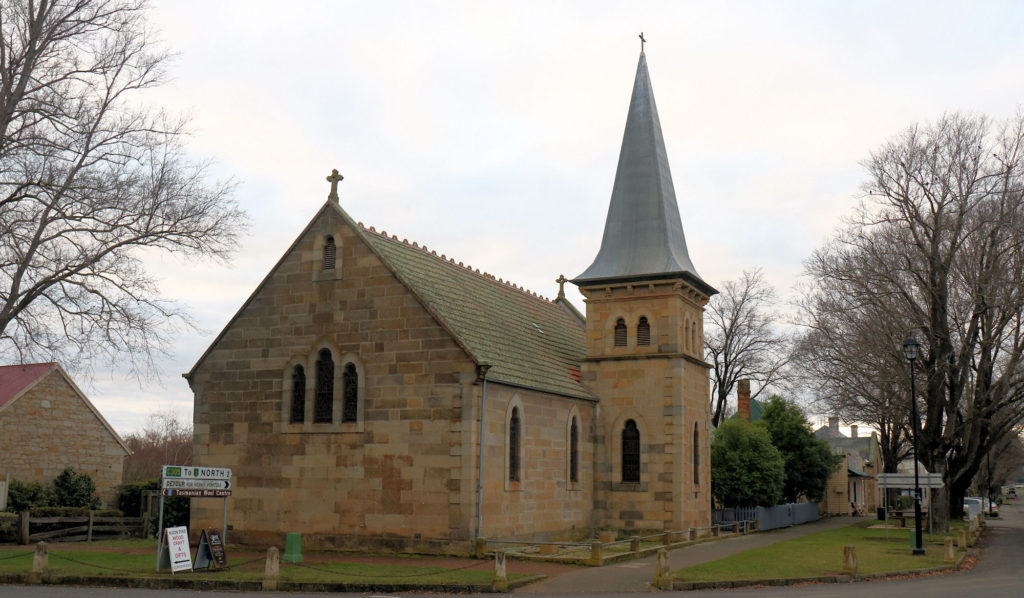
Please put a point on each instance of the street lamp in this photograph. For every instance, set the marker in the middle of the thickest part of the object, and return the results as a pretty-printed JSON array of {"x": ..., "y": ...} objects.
[{"x": 911, "y": 349}]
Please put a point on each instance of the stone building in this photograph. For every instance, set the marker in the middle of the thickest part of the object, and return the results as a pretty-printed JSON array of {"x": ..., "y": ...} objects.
[
  {"x": 853, "y": 487},
  {"x": 372, "y": 392},
  {"x": 47, "y": 424}
]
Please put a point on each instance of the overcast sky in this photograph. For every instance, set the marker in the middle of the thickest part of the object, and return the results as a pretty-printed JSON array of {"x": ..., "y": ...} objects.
[{"x": 490, "y": 131}]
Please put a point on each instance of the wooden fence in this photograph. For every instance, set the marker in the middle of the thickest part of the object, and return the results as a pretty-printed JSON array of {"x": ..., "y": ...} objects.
[{"x": 76, "y": 529}]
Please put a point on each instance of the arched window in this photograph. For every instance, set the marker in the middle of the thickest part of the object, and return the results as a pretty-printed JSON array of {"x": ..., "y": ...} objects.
[
  {"x": 330, "y": 254},
  {"x": 630, "y": 453},
  {"x": 323, "y": 405},
  {"x": 350, "y": 398},
  {"x": 513, "y": 445},
  {"x": 298, "y": 414},
  {"x": 620, "y": 333},
  {"x": 696, "y": 454},
  {"x": 643, "y": 332},
  {"x": 696, "y": 347},
  {"x": 574, "y": 451}
]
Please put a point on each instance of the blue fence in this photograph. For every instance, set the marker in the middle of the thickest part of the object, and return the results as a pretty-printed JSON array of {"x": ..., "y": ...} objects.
[{"x": 769, "y": 517}]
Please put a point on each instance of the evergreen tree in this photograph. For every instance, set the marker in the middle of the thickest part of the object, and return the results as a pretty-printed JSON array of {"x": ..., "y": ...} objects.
[
  {"x": 746, "y": 470},
  {"x": 809, "y": 461}
]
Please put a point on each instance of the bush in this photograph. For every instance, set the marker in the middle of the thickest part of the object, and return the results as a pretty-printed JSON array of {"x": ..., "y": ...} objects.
[
  {"x": 746, "y": 470},
  {"x": 75, "y": 489},
  {"x": 23, "y": 496},
  {"x": 131, "y": 496}
]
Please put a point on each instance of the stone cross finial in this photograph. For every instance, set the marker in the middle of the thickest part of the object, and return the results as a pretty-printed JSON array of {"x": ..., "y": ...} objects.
[
  {"x": 561, "y": 285},
  {"x": 334, "y": 178},
  {"x": 642, "y": 42}
]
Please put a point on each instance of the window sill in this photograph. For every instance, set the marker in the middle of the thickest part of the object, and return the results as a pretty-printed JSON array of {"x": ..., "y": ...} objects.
[
  {"x": 308, "y": 428},
  {"x": 322, "y": 275},
  {"x": 629, "y": 487}
]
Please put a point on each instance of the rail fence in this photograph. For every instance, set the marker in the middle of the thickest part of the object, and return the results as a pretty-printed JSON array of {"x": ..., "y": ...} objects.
[{"x": 87, "y": 527}]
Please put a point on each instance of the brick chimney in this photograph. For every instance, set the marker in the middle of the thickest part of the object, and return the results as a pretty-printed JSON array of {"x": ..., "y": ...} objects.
[
  {"x": 743, "y": 399},
  {"x": 853, "y": 431}
]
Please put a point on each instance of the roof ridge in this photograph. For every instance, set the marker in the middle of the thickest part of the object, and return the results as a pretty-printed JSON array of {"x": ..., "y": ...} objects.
[{"x": 451, "y": 262}]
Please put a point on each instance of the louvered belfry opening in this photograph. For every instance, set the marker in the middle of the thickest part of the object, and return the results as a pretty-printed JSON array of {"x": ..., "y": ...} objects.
[
  {"x": 696, "y": 454},
  {"x": 620, "y": 333},
  {"x": 513, "y": 445},
  {"x": 323, "y": 406},
  {"x": 330, "y": 254},
  {"x": 643, "y": 332},
  {"x": 298, "y": 395},
  {"x": 350, "y": 404},
  {"x": 630, "y": 453}
]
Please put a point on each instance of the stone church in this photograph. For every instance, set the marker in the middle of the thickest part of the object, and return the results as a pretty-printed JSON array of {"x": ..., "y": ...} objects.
[{"x": 371, "y": 392}]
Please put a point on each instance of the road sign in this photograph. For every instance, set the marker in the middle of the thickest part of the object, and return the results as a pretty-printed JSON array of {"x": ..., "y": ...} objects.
[
  {"x": 190, "y": 493},
  {"x": 906, "y": 480},
  {"x": 192, "y": 484},
  {"x": 196, "y": 472}
]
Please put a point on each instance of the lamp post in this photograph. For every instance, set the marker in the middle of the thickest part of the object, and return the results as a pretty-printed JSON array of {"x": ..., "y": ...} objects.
[{"x": 911, "y": 349}]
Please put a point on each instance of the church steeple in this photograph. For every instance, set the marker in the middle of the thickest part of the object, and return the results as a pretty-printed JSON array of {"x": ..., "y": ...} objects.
[{"x": 643, "y": 235}]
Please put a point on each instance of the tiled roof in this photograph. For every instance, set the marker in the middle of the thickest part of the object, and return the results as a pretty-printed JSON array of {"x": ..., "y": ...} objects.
[
  {"x": 16, "y": 378},
  {"x": 527, "y": 340}
]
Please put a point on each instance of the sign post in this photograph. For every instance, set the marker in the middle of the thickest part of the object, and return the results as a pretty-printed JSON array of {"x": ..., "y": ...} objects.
[{"x": 193, "y": 481}]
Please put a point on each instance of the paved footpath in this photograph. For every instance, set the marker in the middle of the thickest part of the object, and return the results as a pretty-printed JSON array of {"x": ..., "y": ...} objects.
[{"x": 635, "y": 576}]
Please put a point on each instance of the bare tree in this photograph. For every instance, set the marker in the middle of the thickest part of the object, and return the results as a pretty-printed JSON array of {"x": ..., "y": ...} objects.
[
  {"x": 937, "y": 248},
  {"x": 88, "y": 179},
  {"x": 742, "y": 339},
  {"x": 164, "y": 440}
]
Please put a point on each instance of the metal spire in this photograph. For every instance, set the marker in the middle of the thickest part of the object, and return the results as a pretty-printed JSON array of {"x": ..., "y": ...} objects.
[{"x": 643, "y": 235}]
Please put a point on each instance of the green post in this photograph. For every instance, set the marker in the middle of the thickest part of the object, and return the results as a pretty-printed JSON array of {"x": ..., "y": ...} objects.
[{"x": 293, "y": 548}]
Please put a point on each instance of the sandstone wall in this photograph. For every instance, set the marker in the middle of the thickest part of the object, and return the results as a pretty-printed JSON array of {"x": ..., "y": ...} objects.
[{"x": 50, "y": 428}]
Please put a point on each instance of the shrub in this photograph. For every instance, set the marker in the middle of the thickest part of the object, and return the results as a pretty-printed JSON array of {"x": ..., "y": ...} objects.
[
  {"x": 130, "y": 498},
  {"x": 75, "y": 489},
  {"x": 23, "y": 496}
]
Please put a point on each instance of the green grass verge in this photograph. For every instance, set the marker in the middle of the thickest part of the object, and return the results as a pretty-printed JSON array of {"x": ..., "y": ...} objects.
[
  {"x": 821, "y": 554},
  {"x": 66, "y": 560}
]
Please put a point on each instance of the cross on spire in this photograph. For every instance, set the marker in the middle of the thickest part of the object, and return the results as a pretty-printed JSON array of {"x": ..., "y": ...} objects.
[
  {"x": 642, "y": 42},
  {"x": 334, "y": 178},
  {"x": 561, "y": 285}
]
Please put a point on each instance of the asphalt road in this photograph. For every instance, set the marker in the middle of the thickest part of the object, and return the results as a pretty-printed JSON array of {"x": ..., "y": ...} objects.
[{"x": 998, "y": 574}]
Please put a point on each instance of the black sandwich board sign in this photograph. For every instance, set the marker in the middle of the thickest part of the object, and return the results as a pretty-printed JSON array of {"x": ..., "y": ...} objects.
[{"x": 210, "y": 551}]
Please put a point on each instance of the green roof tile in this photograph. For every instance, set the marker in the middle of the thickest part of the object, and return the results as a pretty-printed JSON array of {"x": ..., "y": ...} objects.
[{"x": 528, "y": 341}]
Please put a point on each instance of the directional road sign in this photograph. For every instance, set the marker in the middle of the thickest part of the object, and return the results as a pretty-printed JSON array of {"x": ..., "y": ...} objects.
[
  {"x": 193, "y": 484},
  {"x": 196, "y": 472},
  {"x": 185, "y": 492}
]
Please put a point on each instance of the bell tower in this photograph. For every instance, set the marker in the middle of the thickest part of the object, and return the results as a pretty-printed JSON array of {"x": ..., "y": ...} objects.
[{"x": 644, "y": 348}]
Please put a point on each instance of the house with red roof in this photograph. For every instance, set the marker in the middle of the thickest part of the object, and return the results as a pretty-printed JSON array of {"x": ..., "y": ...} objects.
[{"x": 47, "y": 424}]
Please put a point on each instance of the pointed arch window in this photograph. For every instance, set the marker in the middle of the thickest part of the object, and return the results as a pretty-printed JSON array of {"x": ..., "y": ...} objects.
[
  {"x": 298, "y": 411},
  {"x": 574, "y": 451},
  {"x": 630, "y": 453},
  {"x": 514, "y": 430},
  {"x": 620, "y": 333},
  {"x": 696, "y": 454},
  {"x": 350, "y": 395},
  {"x": 323, "y": 405},
  {"x": 330, "y": 254},
  {"x": 693, "y": 338},
  {"x": 643, "y": 332}
]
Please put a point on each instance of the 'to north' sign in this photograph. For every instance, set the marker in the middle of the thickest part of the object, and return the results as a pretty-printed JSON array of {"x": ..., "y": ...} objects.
[{"x": 196, "y": 473}]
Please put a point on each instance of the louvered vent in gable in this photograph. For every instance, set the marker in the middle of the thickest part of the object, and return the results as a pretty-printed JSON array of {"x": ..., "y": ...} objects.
[{"x": 330, "y": 254}]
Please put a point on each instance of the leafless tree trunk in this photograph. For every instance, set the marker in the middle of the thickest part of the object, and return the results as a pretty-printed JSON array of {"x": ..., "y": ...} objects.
[
  {"x": 164, "y": 440},
  {"x": 742, "y": 339},
  {"x": 88, "y": 179}
]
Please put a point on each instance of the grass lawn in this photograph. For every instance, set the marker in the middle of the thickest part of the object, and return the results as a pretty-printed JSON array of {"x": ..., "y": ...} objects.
[
  {"x": 821, "y": 554},
  {"x": 121, "y": 558}
]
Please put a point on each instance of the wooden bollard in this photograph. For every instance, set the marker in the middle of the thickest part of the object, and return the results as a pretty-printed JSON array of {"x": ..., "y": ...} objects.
[
  {"x": 961, "y": 539},
  {"x": 662, "y": 576},
  {"x": 23, "y": 527},
  {"x": 634, "y": 544},
  {"x": 500, "y": 581},
  {"x": 691, "y": 534},
  {"x": 596, "y": 554},
  {"x": 481, "y": 547},
  {"x": 950, "y": 554},
  {"x": 666, "y": 538},
  {"x": 716, "y": 530},
  {"x": 40, "y": 562},
  {"x": 272, "y": 572},
  {"x": 849, "y": 559}
]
